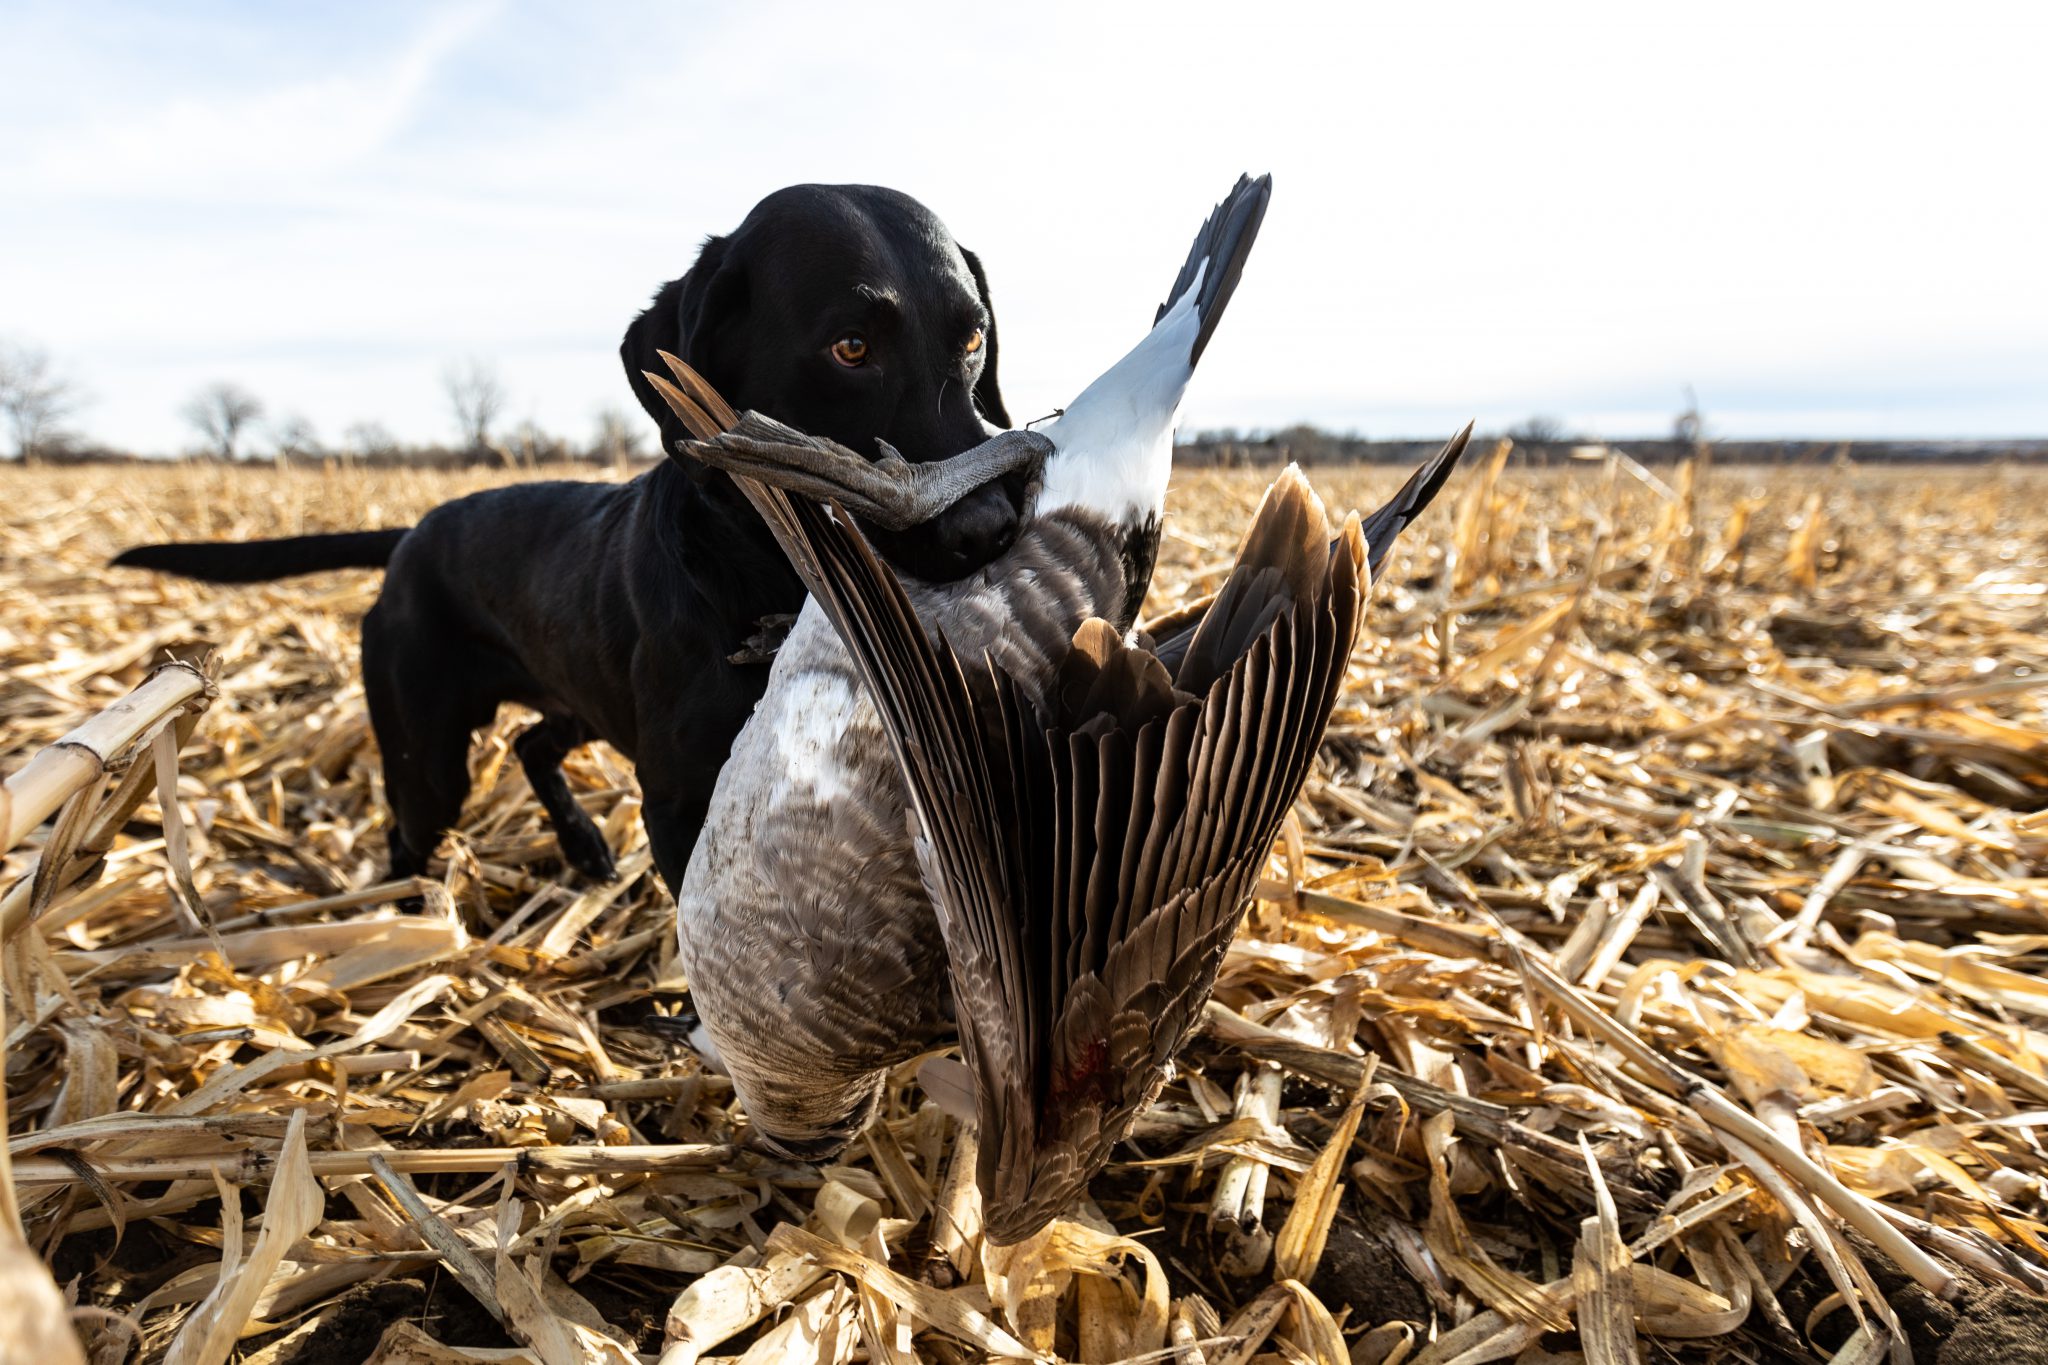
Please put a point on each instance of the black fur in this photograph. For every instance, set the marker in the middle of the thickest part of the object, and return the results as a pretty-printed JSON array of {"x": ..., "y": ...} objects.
[
  {"x": 259, "y": 561},
  {"x": 616, "y": 609}
]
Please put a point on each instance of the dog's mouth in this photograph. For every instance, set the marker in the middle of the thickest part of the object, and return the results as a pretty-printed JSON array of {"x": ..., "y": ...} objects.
[{"x": 957, "y": 542}]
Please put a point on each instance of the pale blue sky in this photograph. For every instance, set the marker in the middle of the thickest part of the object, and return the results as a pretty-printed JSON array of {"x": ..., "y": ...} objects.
[{"x": 1826, "y": 218}]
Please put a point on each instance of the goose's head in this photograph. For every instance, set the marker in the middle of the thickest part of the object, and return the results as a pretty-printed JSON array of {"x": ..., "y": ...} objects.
[{"x": 806, "y": 1117}]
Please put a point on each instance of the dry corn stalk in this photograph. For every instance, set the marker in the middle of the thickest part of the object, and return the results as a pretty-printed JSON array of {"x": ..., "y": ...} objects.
[
  {"x": 1579, "y": 758},
  {"x": 154, "y": 722},
  {"x": 67, "y": 777}
]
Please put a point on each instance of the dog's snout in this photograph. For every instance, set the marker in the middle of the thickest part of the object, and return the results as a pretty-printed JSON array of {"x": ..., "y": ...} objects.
[{"x": 979, "y": 527}]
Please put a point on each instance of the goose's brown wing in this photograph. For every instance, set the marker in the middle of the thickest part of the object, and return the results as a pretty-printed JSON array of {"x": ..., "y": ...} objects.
[{"x": 1090, "y": 852}]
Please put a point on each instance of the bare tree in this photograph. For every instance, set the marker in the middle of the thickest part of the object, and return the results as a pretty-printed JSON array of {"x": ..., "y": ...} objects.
[
  {"x": 618, "y": 437},
  {"x": 295, "y": 439},
  {"x": 34, "y": 399},
  {"x": 532, "y": 446},
  {"x": 477, "y": 397},
  {"x": 1304, "y": 444},
  {"x": 1538, "y": 431},
  {"x": 220, "y": 413},
  {"x": 371, "y": 440},
  {"x": 1689, "y": 428}
]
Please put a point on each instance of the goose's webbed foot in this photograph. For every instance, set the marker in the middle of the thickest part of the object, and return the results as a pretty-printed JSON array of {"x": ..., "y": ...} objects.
[{"x": 891, "y": 492}]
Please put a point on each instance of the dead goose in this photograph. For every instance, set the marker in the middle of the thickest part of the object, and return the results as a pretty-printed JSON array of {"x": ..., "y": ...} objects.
[{"x": 1089, "y": 815}]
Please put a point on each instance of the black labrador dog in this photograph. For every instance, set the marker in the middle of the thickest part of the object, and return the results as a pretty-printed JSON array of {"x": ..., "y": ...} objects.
[{"x": 633, "y": 612}]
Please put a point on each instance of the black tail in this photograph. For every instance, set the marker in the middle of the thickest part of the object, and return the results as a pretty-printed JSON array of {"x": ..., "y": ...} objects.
[
  {"x": 259, "y": 561},
  {"x": 1405, "y": 506}
]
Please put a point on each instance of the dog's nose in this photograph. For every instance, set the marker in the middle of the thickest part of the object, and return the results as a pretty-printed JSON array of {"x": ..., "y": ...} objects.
[{"x": 978, "y": 527}]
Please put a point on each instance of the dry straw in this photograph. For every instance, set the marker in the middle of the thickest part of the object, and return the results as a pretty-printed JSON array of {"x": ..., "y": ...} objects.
[{"x": 1651, "y": 970}]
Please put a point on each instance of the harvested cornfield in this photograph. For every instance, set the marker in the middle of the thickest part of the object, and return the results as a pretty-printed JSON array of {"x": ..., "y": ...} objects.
[{"x": 1651, "y": 971}]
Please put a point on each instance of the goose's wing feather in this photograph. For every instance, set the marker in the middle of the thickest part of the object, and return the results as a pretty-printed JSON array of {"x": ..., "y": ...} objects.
[
  {"x": 1383, "y": 526},
  {"x": 1089, "y": 851},
  {"x": 1174, "y": 634}
]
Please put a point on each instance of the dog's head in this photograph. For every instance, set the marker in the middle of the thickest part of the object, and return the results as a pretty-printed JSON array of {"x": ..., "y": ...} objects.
[{"x": 847, "y": 311}]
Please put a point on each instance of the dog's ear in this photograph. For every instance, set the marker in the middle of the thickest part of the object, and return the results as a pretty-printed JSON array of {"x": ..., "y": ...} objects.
[
  {"x": 988, "y": 394},
  {"x": 687, "y": 319},
  {"x": 659, "y": 328}
]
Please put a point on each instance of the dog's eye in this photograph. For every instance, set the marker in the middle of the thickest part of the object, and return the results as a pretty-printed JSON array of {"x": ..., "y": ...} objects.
[
  {"x": 974, "y": 342},
  {"x": 851, "y": 350}
]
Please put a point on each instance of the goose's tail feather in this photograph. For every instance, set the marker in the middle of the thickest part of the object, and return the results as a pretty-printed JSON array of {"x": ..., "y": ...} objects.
[
  {"x": 1113, "y": 445},
  {"x": 1224, "y": 242}
]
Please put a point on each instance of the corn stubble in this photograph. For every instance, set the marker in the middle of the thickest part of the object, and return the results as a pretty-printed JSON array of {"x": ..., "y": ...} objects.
[{"x": 1653, "y": 958}]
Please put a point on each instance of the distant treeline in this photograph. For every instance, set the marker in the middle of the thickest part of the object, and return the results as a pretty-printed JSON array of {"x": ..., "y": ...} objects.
[
  {"x": 1304, "y": 445},
  {"x": 38, "y": 401},
  {"x": 1310, "y": 446},
  {"x": 543, "y": 452}
]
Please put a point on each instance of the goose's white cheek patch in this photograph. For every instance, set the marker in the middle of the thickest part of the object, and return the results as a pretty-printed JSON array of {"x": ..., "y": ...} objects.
[{"x": 814, "y": 716}]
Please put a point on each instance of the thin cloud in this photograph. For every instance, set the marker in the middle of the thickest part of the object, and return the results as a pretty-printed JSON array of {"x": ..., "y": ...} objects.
[
  {"x": 1489, "y": 211},
  {"x": 236, "y": 133}
]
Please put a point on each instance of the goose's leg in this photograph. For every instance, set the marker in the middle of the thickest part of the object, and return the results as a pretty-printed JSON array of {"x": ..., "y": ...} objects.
[{"x": 891, "y": 492}]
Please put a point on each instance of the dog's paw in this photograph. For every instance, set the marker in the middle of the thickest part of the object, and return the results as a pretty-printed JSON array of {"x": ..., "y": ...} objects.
[{"x": 585, "y": 850}]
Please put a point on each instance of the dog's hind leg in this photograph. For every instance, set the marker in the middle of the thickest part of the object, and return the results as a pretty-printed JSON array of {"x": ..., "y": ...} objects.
[
  {"x": 673, "y": 824},
  {"x": 423, "y": 718},
  {"x": 541, "y": 749}
]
